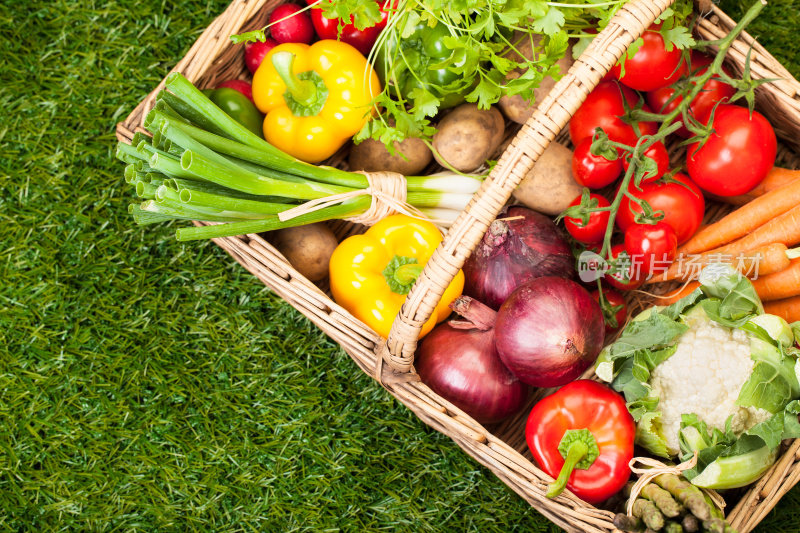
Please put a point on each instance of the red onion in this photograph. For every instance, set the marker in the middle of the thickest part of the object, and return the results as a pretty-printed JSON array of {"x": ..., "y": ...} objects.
[
  {"x": 549, "y": 331},
  {"x": 519, "y": 246},
  {"x": 459, "y": 362}
]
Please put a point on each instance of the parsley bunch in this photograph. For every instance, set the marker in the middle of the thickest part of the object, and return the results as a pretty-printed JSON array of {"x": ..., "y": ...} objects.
[{"x": 484, "y": 40}]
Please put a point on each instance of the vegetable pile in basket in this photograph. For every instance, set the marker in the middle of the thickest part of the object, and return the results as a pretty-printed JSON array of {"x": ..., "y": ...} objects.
[{"x": 707, "y": 382}]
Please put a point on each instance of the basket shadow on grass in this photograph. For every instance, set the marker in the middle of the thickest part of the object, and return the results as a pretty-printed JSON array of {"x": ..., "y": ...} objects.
[{"x": 151, "y": 385}]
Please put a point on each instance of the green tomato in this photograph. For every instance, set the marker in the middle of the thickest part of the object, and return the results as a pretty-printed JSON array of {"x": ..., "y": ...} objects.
[{"x": 239, "y": 108}]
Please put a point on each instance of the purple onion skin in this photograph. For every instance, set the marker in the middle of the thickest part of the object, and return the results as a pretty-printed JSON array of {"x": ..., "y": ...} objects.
[
  {"x": 513, "y": 252},
  {"x": 549, "y": 331},
  {"x": 462, "y": 367}
]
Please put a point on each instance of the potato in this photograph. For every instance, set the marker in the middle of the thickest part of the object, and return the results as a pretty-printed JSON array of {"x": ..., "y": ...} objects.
[
  {"x": 549, "y": 187},
  {"x": 517, "y": 108},
  {"x": 307, "y": 248},
  {"x": 467, "y": 136},
  {"x": 411, "y": 157}
]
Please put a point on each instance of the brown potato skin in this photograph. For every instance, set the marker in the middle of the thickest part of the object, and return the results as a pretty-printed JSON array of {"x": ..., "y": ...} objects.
[
  {"x": 467, "y": 136},
  {"x": 517, "y": 108},
  {"x": 308, "y": 248},
  {"x": 549, "y": 187},
  {"x": 411, "y": 157}
]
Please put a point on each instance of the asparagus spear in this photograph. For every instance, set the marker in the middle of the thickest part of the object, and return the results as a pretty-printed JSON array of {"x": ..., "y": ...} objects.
[
  {"x": 628, "y": 523},
  {"x": 686, "y": 493},
  {"x": 663, "y": 500},
  {"x": 649, "y": 513},
  {"x": 690, "y": 523}
]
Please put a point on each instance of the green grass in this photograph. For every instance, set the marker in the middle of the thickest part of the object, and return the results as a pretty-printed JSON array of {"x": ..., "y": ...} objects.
[{"x": 147, "y": 385}]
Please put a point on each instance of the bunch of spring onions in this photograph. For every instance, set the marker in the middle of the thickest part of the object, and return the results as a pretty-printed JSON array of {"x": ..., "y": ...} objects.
[{"x": 202, "y": 165}]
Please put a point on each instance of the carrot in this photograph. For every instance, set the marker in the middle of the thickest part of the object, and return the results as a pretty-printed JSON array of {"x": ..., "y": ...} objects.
[
  {"x": 784, "y": 228},
  {"x": 777, "y": 177},
  {"x": 783, "y": 284},
  {"x": 674, "y": 296},
  {"x": 788, "y": 308},
  {"x": 763, "y": 261},
  {"x": 745, "y": 219}
]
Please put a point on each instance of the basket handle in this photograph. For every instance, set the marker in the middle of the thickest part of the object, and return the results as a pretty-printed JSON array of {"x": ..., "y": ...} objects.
[{"x": 547, "y": 121}]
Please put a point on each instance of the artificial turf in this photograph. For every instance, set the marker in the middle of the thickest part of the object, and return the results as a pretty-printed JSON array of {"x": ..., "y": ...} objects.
[{"x": 148, "y": 385}]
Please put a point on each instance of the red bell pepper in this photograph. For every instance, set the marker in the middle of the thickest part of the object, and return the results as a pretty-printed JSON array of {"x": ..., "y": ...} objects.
[
  {"x": 362, "y": 40},
  {"x": 583, "y": 435}
]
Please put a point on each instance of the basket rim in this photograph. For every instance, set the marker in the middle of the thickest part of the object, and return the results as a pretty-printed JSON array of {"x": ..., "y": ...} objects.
[{"x": 363, "y": 344}]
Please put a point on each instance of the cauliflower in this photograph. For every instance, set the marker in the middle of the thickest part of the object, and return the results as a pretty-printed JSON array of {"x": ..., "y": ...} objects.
[
  {"x": 704, "y": 376},
  {"x": 713, "y": 374}
]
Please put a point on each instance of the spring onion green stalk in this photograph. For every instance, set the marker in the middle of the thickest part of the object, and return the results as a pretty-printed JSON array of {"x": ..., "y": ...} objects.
[{"x": 200, "y": 164}]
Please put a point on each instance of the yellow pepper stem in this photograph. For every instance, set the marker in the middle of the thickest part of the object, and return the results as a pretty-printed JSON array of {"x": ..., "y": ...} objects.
[
  {"x": 407, "y": 274},
  {"x": 304, "y": 92}
]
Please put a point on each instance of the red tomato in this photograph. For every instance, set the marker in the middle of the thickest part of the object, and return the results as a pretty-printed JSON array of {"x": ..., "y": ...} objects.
[
  {"x": 602, "y": 109},
  {"x": 737, "y": 156},
  {"x": 612, "y": 299},
  {"x": 242, "y": 86},
  {"x": 683, "y": 205},
  {"x": 652, "y": 66},
  {"x": 254, "y": 53},
  {"x": 287, "y": 24},
  {"x": 651, "y": 246},
  {"x": 629, "y": 275},
  {"x": 594, "y": 231},
  {"x": 361, "y": 40},
  {"x": 593, "y": 171},
  {"x": 713, "y": 91},
  {"x": 657, "y": 152}
]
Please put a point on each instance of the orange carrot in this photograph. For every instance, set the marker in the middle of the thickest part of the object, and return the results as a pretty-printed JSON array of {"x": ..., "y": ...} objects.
[
  {"x": 762, "y": 261},
  {"x": 784, "y": 229},
  {"x": 783, "y": 284},
  {"x": 777, "y": 177},
  {"x": 788, "y": 308},
  {"x": 745, "y": 220},
  {"x": 677, "y": 294}
]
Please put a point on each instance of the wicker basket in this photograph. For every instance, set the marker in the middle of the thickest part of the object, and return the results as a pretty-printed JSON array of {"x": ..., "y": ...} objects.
[{"x": 500, "y": 448}]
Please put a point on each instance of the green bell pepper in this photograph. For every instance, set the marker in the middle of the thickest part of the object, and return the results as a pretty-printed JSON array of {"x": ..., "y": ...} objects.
[
  {"x": 410, "y": 61},
  {"x": 238, "y": 107}
]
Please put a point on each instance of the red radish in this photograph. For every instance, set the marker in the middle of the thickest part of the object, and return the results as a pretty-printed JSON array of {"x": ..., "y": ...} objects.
[
  {"x": 459, "y": 362},
  {"x": 288, "y": 25},
  {"x": 242, "y": 86},
  {"x": 254, "y": 53}
]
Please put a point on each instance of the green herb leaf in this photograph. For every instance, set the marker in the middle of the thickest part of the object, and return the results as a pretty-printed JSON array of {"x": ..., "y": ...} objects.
[{"x": 551, "y": 23}]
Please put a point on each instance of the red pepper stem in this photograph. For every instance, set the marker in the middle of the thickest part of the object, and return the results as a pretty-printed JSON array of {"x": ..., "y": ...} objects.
[
  {"x": 303, "y": 91},
  {"x": 579, "y": 449}
]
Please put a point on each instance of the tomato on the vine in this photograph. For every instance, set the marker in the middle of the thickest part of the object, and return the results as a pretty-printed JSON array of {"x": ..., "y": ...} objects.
[
  {"x": 679, "y": 198},
  {"x": 652, "y": 66},
  {"x": 700, "y": 108},
  {"x": 603, "y": 109},
  {"x": 593, "y": 171},
  {"x": 658, "y": 153},
  {"x": 615, "y": 309},
  {"x": 595, "y": 229},
  {"x": 737, "y": 156},
  {"x": 652, "y": 247},
  {"x": 626, "y": 275}
]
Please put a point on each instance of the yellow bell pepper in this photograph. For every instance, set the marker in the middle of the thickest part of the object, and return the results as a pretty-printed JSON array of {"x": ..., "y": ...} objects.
[
  {"x": 371, "y": 274},
  {"x": 315, "y": 97}
]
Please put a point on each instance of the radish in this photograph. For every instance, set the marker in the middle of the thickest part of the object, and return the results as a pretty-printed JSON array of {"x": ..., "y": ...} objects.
[
  {"x": 238, "y": 85},
  {"x": 287, "y": 24},
  {"x": 254, "y": 53}
]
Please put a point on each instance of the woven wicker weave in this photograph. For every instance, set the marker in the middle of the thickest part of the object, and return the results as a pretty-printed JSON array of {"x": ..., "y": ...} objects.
[{"x": 501, "y": 448}]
